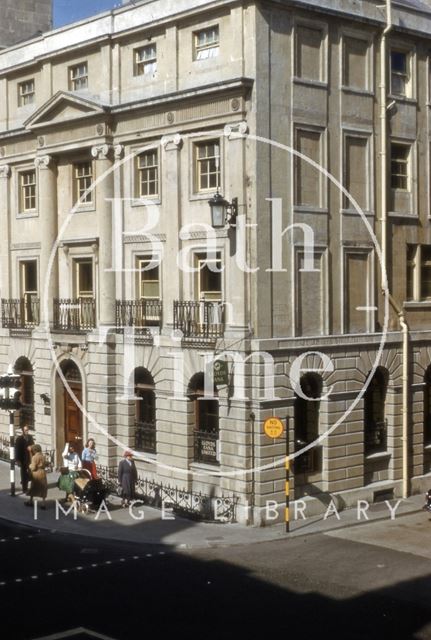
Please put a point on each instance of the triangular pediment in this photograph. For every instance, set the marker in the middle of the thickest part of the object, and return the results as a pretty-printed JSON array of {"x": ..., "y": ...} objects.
[{"x": 64, "y": 107}]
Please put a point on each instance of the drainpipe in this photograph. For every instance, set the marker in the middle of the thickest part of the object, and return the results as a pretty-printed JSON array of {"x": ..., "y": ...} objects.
[
  {"x": 384, "y": 131},
  {"x": 405, "y": 395}
]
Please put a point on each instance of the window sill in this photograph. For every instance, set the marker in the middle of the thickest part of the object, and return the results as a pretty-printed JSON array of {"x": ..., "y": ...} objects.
[
  {"x": 28, "y": 214},
  {"x": 204, "y": 466},
  {"x": 353, "y": 212},
  {"x": 207, "y": 195},
  {"x": 309, "y": 209},
  {"x": 403, "y": 99},
  {"x": 145, "y": 202},
  {"x": 319, "y": 84},
  {"x": 381, "y": 455},
  {"x": 83, "y": 208},
  {"x": 406, "y": 215},
  {"x": 145, "y": 454},
  {"x": 417, "y": 304},
  {"x": 357, "y": 92}
]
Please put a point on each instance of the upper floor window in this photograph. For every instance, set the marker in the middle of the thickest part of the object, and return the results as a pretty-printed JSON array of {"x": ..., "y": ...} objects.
[
  {"x": 145, "y": 60},
  {"x": 207, "y": 43},
  {"x": 26, "y": 93},
  {"x": 308, "y": 179},
  {"x": 78, "y": 77},
  {"x": 147, "y": 174},
  {"x": 84, "y": 287},
  {"x": 29, "y": 291},
  {"x": 207, "y": 165},
  {"x": 27, "y": 180},
  {"x": 209, "y": 278},
  {"x": 356, "y": 63},
  {"x": 309, "y": 53},
  {"x": 400, "y": 73},
  {"x": 418, "y": 276},
  {"x": 83, "y": 178},
  {"x": 400, "y": 164},
  {"x": 149, "y": 279}
]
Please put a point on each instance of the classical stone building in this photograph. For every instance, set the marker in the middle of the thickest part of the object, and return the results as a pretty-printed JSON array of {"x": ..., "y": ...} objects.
[
  {"x": 115, "y": 133},
  {"x": 23, "y": 19}
]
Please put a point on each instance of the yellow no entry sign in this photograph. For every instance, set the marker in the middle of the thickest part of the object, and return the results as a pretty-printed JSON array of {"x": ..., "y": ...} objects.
[{"x": 273, "y": 427}]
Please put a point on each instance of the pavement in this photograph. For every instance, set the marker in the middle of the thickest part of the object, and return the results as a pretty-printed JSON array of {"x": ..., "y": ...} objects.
[{"x": 146, "y": 525}]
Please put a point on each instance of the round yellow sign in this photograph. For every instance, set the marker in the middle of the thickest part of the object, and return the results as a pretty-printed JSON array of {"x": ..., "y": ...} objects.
[{"x": 273, "y": 427}]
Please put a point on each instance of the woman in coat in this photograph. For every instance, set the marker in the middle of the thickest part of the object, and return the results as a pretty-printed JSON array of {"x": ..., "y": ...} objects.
[
  {"x": 39, "y": 481},
  {"x": 127, "y": 477}
]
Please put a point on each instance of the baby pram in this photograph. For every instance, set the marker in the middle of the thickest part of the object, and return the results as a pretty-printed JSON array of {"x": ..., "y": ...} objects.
[{"x": 89, "y": 493}]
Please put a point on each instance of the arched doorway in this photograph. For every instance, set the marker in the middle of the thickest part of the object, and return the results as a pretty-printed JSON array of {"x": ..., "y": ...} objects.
[
  {"x": 70, "y": 413},
  {"x": 25, "y": 416},
  {"x": 145, "y": 411},
  {"x": 306, "y": 431}
]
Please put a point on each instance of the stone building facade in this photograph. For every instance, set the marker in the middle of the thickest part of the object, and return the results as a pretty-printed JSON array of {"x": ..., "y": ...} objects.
[
  {"x": 117, "y": 293},
  {"x": 23, "y": 19}
]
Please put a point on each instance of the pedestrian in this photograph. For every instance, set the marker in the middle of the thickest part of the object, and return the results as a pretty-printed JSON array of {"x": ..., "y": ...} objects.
[
  {"x": 39, "y": 481},
  {"x": 23, "y": 444},
  {"x": 70, "y": 471},
  {"x": 89, "y": 457},
  {"x": 127, "y": 477}
]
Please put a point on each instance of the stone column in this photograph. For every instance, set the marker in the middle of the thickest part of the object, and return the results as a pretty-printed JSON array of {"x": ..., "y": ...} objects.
[
  {"x": 48, "y": 220},
  {"x": 5, "y": 235},
  {"x": 171, "y": 145},
  {"x": 104, "y": 194}
]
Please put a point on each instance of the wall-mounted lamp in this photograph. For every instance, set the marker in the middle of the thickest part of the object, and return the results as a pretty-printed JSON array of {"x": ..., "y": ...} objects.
[
  {"x": 46, "y": 399},
  {"x": 222, "y": 211}
]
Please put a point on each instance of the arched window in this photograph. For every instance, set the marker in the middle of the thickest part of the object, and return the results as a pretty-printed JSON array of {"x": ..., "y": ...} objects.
[
  {"x": 206, "y": 419},
  {"x": 375, "y": 423},
  {"x": 306, "y": 418},
  {"x": 427, "y": 407},
  {"x": 145, "y": 411},
  {"x": 25, "y": 370}
]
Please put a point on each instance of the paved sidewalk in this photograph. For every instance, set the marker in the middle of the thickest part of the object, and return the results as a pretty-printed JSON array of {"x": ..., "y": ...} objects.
[{"x": 179, "y": 532}]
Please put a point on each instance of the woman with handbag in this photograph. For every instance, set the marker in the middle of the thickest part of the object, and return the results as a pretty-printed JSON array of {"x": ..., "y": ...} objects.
[{"x": 39, "y": 481}]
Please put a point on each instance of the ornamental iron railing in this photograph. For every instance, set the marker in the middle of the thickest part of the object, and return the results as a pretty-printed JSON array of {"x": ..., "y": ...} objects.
[
  {"x": 187, "y": 503},
  {"x": 206, "y": 447},
  {"x": 139, "y": 314},
  {"x": 20, "y": 313},
  {"x": 201, "y": 319},
  {"x": 376, "y": 436},
  {"x": 74, "y": 315},
  {"x": 145, "y": 437},
  {"x": 5, "y": 453}
]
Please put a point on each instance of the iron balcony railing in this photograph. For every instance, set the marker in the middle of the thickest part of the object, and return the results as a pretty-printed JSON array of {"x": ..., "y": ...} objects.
[
  {"x": 376, "y": 437},
  {"x": 74, "y": 314},
  {"x": 20, "y": 313},
  {"x": 206, "y": 447},
  {"x": 199, "y": 319},
  {"x": 5, "y": 453},
  {"x": 139, "y": 314},
  {"x": 145, "y": 437}
]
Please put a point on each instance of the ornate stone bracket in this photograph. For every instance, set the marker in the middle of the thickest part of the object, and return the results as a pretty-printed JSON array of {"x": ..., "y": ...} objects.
[
  {"x": 4, "y": 171},
  {"x": 43, "y": 162},
  {"x": 172, "y": 142},
  {"x": 118, "y": 151},
  {"x": 236, "y": 130},
  {"x": 101, "y": 152}
]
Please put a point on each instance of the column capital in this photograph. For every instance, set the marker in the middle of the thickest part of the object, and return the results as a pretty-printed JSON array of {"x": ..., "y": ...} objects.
[
  {"x": 4, "y": 171},
  {"x": 43, "y": 162},
  {"x": 236, "y": 130},
  {"x": 172, "y": 142},
  {"x": 101, "y": 151}
]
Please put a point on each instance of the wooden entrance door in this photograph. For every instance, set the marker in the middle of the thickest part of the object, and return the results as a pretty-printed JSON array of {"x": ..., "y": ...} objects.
[{"x": 73, "y": 417}]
